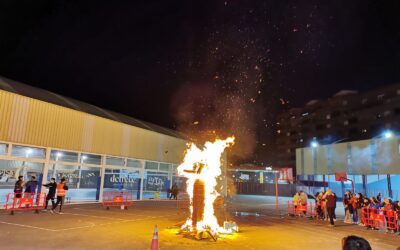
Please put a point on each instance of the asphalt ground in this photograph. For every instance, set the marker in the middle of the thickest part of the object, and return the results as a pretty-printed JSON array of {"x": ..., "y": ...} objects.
[{"x": 91, "y": 226}]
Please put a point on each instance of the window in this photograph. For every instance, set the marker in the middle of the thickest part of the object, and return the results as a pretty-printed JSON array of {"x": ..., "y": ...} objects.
[
  {"x": 328, "y": 125},
  {"x": 10, "y": 170},
  {"x": 122, "y": 179},
  {"x": 28, "y": 152},
  {"x": 320, "y": 126},
  {"x": 398, "y": 92},
  {"x": 56, "y": 155},
  {"x": 328, "y": 116},
  {"x": 91, "y": 159},
  {"x": 364, "y": 101},
  {"x": 164, "y": 167},
  {"x": 346, "y": 123},
  {"x": 3, "y": 149},
  {"x": 288, "y": 134},
  {"x": 155, "y": 182},
  {"x": 151, "y": 165},
  {"x": 386, "y": 113},
  {"x": 134, "y": 163},
  {"x": 344, "y": 103},
  {"x": 114, "y": 161}
]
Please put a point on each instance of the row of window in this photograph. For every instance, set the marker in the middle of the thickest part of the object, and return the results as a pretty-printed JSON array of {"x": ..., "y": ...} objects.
[
  {"x": 395, "y": 111},
  {"x": 74, "y": 157}
]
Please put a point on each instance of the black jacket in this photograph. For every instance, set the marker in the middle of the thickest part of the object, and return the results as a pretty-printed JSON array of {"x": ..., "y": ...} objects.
[
  {"x": 52, "y": 189},
  {"x": 18, "y": 187},
  {"x": 330, "y": 200}
]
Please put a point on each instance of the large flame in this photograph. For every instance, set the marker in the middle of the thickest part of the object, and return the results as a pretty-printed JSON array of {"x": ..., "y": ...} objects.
[{"x": 209, "y": 158}]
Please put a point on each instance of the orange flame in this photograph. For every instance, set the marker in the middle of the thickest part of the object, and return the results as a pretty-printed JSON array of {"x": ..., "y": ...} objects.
[{"x": 210, "y": 160}]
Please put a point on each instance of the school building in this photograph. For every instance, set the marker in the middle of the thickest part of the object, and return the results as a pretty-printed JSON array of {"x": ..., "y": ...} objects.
[{"x": 48, "y": 135}]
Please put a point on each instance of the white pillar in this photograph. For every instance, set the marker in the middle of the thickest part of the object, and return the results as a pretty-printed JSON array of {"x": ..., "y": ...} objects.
[
  {"x": 102, "y": 176},
  {"x": 44, "y": 174},
  {"x": 141, "y": 179},
  {"x": 46, "y": 167}
]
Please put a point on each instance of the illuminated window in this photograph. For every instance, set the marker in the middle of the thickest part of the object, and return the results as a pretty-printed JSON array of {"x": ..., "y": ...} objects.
[
  {"x": 3, "y": 149},
  {"x": 151, "y": 165},
  {"x": 57, "y": 155},
  {"x": 134, "y": 163},
  {"x": 115, "y": 161},
  {"x": 91, "y": 159},
  {"x": 28, "y": 152}
]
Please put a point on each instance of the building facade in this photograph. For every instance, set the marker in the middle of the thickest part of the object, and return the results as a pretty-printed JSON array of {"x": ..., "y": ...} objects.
[
  {"x": 48, "y": 135},
  {"x": 347, "y": 116},
  {"x": 372, "y": 165}
]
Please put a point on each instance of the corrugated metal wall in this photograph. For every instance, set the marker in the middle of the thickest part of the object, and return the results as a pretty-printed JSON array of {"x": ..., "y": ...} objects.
[
  {"x": 376, "y": 156},
  {"x": 29, "y": 121}
]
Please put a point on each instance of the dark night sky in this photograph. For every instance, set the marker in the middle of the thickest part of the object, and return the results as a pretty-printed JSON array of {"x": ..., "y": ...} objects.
[{"x": 201, "y": 65}]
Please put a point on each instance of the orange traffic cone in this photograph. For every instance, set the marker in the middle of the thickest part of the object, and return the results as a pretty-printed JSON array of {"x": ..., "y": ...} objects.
[{"x": 154, "y": 241}]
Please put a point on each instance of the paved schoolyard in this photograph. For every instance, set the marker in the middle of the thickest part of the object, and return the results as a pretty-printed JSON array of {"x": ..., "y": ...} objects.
[{"x": 90, "y": 226}]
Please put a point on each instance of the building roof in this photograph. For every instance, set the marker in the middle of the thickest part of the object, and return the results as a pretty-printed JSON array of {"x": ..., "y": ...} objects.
[
  {"x": 50, "y": 97},
  {"x": 346, "y": 92}
]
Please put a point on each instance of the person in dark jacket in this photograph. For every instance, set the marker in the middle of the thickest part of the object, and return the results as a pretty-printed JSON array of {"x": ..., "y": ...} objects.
[
  {"x": 174, "y": 192},
  {"x": 348, "y": 209},
  {"x": 379, "y": 198},
  {"x": 18, "y": 188},
  {"x": 330, "y": 205},
  {"x": 52, "y": 185},
  {"x": 365, "y": 211},
  {"x": 30, "y": 186},
  {"x": 360, "y": 201}
]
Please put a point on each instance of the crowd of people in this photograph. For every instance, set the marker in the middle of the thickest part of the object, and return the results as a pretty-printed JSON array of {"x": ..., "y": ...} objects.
[
  {"x": 325, "y": 206},
  {"x": 57, "y": 191}
]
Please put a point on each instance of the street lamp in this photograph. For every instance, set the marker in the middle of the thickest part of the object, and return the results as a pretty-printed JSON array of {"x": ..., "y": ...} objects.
[
  {"x": 59, "y": 154},
  {"x": 314, "y": 144},
  {"x": 388, "y": 134}
]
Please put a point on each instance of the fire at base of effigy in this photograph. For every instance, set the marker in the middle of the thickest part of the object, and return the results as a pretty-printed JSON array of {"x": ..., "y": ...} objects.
[{"x": 202, "y": 168}]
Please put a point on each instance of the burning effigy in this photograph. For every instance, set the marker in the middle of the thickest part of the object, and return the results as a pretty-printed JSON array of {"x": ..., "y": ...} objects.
[{"x": 202, "y": 168}]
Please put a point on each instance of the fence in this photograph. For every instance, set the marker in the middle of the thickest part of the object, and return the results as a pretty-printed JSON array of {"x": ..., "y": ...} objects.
[
  {"x": 265, "y": 188},
  {"x": 116, "y": 199},
  {"x": 25, "y": 201},
  {"x": 379, "y": 218},
  {"x": 308, "y": 209}
]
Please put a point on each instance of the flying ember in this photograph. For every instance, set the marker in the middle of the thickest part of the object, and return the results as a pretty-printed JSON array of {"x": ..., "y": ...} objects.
[{"x": 202, "y": 167}]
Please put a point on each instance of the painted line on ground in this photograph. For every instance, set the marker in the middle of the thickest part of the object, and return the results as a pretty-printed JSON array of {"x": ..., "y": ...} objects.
[
  {"x": 28, "y": 226},
  {"x": 95, "y": 216},
  {"x": 81, "y": 227}
]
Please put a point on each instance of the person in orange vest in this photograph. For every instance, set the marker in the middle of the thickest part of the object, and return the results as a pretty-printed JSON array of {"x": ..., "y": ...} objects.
[{"x": 61, "y": 190}]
